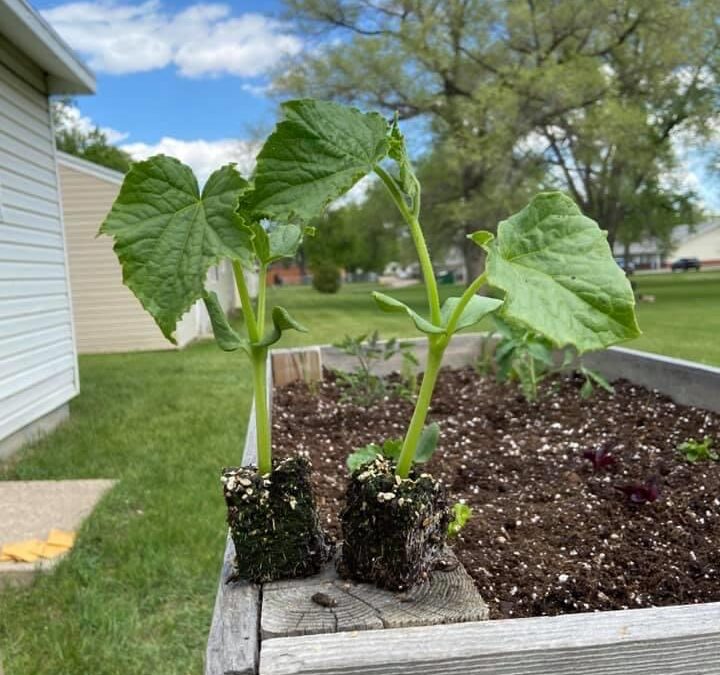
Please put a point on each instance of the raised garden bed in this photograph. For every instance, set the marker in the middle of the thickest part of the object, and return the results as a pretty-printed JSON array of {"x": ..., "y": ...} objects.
[{"x": 557, "y": 538}]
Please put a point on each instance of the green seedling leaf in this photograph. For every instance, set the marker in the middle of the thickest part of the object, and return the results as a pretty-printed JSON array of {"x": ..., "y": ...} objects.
[
  {"x": 478, "y": 307},
  {"x": 540, "y": 352},
  {"x": 315, "y": 155},
  {"x": 427, "y": 443},
  {"x": 284, "y": 241},
  {"x": 482, "y": 237},
  {"x": 388, "y": 304},
  {"x": 167, "y": 234},
  {"x": 398, "y": 151},
  {"x": 695, "y": 451},
  {"x": 504, "y": 328},
  {"x": 362, "y": 456},
  {"x": 475, "y": 311},
  {"x": 587, "y": 389},
  {"x": 461, "y": 515},
  {"x": 274, "y": 242},
  {"x": 598, "y": 379},
  {"x": 225, "y": 335},
  {"x": 282, "y": 321},
  {"x": 391, "y": 448},
  {"x": 559, "y": 276}
]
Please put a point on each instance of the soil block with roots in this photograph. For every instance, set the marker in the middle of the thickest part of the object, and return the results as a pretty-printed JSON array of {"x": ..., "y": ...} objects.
[
  {"x": 274, "y": 522},
  {"x": 394, "y": 529}
]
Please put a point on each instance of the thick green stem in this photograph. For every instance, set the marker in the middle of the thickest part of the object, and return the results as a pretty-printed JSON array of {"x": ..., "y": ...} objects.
[
  {"x": 262, "y": 421},
  {"x": 258, "y": 356},
  {"x": 418, "y": 239},
  {"x": 246, "y": 302},
  {"x": 262, "y": 282},
  {"x": 417, "y": 423}
]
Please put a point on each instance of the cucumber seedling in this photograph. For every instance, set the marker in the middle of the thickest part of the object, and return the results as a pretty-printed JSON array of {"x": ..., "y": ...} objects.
[
  {"x": 168, "y": 233},
  {"x": 552, "y": 265}
]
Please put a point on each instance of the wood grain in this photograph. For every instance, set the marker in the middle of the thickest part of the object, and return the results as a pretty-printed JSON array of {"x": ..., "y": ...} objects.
[
  {"x": 290, "y": 365},
  {"x": 681, "y": 640},
  {"x": 288, "y": 608},
  {"x": 234, "y": 643}
]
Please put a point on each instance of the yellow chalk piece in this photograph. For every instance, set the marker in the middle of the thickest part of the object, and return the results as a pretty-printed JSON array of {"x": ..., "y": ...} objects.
[
  {"x": 23, "y": 551},
  {"x": 6, "y": 558},
  {"x": 51, "y": 551},
  {"x": 61, "y": 538}
]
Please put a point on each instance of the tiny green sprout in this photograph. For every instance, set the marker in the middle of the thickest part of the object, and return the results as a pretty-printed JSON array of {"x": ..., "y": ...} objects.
[
  {"x": 697, "y": 451},
  {"x": 392, "y": 448},
  {"x": 461, "y": 513}
]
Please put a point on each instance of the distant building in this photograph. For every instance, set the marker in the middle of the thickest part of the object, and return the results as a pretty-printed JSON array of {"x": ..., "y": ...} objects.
[
  {"x": 687, "y": 241},
  {"x": 703, "y": 244}
]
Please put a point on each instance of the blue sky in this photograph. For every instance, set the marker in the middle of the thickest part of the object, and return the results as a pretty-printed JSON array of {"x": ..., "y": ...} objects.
[{"x": 186, "y": 77}]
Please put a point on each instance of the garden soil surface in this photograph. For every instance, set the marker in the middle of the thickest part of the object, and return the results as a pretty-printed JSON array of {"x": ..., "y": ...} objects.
[{"x": 549, "y": 535}]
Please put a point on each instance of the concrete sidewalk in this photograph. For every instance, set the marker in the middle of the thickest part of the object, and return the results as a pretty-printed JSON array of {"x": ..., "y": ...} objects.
[{"x": 30, "y": 509}]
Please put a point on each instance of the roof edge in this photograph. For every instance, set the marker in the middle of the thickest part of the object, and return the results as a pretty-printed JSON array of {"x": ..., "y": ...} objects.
[
  {"x": 90, "y": 168},
  {"x": 34, "y": 36}
]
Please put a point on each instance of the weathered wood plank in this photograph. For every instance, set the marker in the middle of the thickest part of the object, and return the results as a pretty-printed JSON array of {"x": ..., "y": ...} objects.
[
  {"x": 234, "y": 643},
  {"x": 288, "y": 607},
  {"x": 685, "y": 382},
  {"x": 291, "y": 365},
  {"x": 682, "y": 640}
]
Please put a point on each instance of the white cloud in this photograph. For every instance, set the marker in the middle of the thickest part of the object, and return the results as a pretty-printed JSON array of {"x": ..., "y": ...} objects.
[
  {"x": 692, "y": 154},
  {"x": 201, "y": 40},
  {"x": 72, "y": 118},
  {"x": 202, "y": 156},
  {"x": 258, "y": 90}
]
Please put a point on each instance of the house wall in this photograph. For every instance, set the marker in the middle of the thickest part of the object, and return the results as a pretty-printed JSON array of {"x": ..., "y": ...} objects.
[
  {"x": 705, "y": 246},
  {"x": 108, "y": 317},
  {"x": 38, "y": 364}
]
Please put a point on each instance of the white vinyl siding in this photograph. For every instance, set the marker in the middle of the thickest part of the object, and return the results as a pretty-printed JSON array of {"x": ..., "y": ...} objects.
[{"x": 38, "y": 365}]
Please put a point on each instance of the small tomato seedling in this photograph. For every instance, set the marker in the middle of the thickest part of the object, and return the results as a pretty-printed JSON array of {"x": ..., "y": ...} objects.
[{"x": 697, "y": 451}]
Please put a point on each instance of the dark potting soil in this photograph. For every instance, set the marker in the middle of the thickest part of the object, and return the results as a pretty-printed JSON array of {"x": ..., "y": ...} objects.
[{"x": 549, "y": 534}]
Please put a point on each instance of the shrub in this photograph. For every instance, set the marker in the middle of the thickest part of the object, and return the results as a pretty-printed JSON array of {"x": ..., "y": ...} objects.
[{"x": 326, "y": 278}]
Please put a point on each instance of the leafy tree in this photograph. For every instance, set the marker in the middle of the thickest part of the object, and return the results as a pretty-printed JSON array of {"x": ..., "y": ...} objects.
[
  {"x": 92, "y": 146},
  {"x": 616, "y": 155},
  {"x": 356, "y": 236},
  {"x": 602, "y": 85},
  {"x": 464, "y": 67}
]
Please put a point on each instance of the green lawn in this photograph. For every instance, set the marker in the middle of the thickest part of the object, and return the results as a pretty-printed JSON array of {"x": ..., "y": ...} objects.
[
  {"x": 684, "y": 320},
  {"x": 136, "y": 594}
]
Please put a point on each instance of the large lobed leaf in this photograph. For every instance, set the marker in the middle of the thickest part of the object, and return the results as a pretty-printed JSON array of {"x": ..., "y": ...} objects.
[
  {"x": 559, "y": 276},
  {"x": 167, "y": 234},
  {"x": 315, "y": 155}
]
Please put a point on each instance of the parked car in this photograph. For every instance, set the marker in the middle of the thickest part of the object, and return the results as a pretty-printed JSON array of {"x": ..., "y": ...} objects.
[{"x": 686, "y": 264}]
